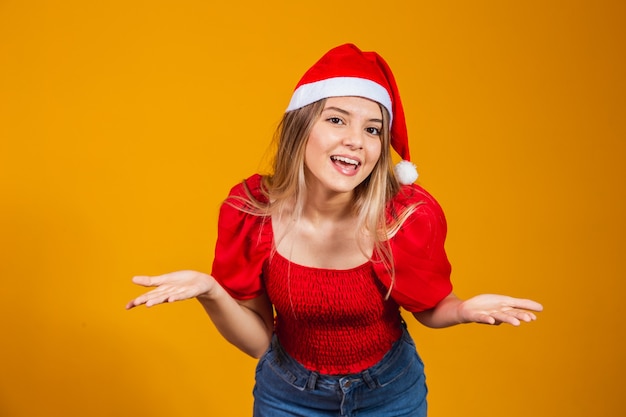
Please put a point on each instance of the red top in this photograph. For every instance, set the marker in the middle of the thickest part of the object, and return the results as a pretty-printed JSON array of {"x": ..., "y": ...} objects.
[{"x": 335, "y": 321}]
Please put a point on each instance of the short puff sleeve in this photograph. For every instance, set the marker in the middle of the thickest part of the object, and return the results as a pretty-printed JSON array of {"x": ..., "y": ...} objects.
[
  {"x": 243, "y": 243},
  {"x": 422, "y": 269}
]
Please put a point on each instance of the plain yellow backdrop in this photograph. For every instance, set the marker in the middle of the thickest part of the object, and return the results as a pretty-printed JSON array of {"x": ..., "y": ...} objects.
[{"x": 124, "y": 123}]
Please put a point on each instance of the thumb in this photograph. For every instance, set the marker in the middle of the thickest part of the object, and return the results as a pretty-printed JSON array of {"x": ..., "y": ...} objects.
[{"x": 147, "y": 281}]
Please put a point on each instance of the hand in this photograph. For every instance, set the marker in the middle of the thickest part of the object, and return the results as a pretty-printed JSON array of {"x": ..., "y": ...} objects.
[
  {"x": 175, "y": 286},
  {"x": 497, "y": 309}
]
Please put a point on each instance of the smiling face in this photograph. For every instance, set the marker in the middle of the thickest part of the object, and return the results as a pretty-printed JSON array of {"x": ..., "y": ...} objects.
[{"x": 344, "y": 144}]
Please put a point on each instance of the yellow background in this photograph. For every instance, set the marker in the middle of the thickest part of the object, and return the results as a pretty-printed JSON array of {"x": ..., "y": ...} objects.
[{"x": 124, "y": 123}]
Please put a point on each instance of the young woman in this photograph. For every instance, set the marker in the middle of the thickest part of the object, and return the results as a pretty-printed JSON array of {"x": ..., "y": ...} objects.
[{"x": 335, "y": 241}]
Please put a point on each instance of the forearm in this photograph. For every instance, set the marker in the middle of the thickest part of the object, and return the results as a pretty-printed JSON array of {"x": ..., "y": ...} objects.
[
  {"x": 444, "y": 314},
  {"x": 246, "y": 324}
]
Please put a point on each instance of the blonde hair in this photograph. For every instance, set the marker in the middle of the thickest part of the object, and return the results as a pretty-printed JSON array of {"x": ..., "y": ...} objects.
[{"x": 285, "y": 187}]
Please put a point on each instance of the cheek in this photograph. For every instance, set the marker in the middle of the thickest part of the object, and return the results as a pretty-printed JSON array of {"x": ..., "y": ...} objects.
[
  {"x": 374, "y": 152},
  {"x": 311, "y": 152},
  {"x": 314, "y": 148}
]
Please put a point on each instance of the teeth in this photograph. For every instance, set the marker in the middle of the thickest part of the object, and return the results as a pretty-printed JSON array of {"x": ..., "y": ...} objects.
[{"x": 345, "y": 160}]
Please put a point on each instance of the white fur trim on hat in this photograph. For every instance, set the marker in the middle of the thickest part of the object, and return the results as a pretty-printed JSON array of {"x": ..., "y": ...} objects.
[
  {"x": 339, "y": 87},
  {"x": 406, "y": 172}
]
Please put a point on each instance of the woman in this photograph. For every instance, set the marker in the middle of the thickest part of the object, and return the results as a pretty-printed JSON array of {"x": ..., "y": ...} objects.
[{"x": 334, "y": 241}]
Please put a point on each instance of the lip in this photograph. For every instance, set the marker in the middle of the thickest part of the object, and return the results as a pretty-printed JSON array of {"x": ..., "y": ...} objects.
[{"x": 348, "y": 170}]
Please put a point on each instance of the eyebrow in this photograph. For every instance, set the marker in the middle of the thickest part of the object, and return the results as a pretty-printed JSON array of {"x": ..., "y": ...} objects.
[{"x": 347, "y": 113}]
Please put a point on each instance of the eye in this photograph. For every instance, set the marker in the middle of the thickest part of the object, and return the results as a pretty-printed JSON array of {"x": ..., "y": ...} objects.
[
  {"x": 335, "y": 120},
  {"x": 373, "y": 131}
]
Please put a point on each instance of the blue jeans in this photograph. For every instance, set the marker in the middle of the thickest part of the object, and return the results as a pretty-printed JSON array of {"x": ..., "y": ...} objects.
[{"x": 394, "y": 387}]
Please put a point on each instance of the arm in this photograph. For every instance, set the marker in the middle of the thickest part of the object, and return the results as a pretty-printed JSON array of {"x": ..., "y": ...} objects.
[
  {"x": 485, "y": 308},
  {"x": 246, "y": 324}
]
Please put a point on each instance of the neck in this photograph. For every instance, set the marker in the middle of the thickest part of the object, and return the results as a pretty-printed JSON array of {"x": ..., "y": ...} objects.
[{"x": 322, "y": 204}]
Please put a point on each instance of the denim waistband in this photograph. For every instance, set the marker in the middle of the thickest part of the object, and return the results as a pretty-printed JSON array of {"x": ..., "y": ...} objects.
[{"x": 305, "y": 379}]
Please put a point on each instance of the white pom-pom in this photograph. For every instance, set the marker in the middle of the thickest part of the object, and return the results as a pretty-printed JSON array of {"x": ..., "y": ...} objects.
[{"x": 406, "y": 172}]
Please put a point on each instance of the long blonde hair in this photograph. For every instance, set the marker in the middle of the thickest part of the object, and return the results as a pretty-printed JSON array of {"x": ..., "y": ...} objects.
[{"x": 285, "y": 187}]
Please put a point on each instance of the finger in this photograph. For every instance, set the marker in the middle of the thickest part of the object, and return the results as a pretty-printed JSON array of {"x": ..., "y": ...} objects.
[
  {"x": 505, "y": 317},
  {"x": 525, "y": 316},
  {"x": 180, "y": 294},
  {"x": 143, "y": 280},
  {"x": 521, "y": 315},
  {"x": 526, "y": 304},
  {"x": 485, "y": 319},
  {"x": 167, "y": 294},
  {"x": 145, "y": 298},
  {"x": 136, "y": 302},
  {"x": 149, "y": 298},
  {"x": 154, "y": 298},
  {"x": 155, "y": 301},
  {"x": 150, "y": 281}
]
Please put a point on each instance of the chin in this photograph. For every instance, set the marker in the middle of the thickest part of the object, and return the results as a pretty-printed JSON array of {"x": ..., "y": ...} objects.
[
  {"x": 339, "y": 184},
  {"x": 345, "y": 186}
]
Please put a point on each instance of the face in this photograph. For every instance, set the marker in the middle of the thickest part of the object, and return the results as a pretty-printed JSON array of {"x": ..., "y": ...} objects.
[{"x": 344, "y": 144}]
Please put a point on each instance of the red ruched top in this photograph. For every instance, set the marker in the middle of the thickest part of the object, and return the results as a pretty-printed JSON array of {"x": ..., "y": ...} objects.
[{"x": 335, "y": 321}]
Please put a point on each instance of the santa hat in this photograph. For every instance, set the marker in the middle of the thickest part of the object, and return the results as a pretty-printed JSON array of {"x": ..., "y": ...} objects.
[{"x": 348, "y": 71}]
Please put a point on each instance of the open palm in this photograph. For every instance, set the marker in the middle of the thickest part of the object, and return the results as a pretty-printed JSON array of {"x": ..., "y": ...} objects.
[
  {"x": 175, "y": 286},
  {"x": 497, "y": 309}
]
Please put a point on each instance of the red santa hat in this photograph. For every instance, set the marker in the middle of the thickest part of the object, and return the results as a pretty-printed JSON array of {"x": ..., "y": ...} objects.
[{"x": 348, "y": 71}]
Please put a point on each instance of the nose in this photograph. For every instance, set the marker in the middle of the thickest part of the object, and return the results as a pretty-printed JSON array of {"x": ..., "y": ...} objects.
[{"x": 353, "y": 138}]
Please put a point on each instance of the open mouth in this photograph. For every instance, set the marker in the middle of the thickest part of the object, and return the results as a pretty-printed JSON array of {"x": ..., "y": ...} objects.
[{"x": 345, "y": 162}]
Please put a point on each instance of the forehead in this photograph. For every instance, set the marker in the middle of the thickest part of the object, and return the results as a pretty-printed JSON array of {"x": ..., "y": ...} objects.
[{"x": 354, "y": 104}]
